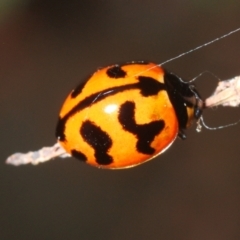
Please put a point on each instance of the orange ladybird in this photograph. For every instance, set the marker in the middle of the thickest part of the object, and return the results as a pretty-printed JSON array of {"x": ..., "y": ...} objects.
[{"x": 124, "y": 115}]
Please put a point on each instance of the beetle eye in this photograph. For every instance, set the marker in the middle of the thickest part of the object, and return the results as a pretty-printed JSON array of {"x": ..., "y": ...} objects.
[{"x": 197, "y": 112}]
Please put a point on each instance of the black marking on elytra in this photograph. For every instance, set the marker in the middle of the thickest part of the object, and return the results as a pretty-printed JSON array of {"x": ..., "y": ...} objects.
[
  {"x": 147, "y": 86},
  {"x": 79, "y": 155},
  {"x": 60, "y": 129},
  {"x": 116, "y": 72},
  {"x": 78, "y": 89},
  {"x": 99, "y": 140},
  {"x": 178, "y": 92},
  {"x": 145, "y": 132}
]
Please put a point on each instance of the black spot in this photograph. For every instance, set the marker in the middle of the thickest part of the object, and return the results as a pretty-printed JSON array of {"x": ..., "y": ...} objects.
[
  {"x": 78, "y": 89},
  {"x": 60, "y": 130},
  {"x": 145, "y": 132},
  {"x": 149, "y": 86},
  {"x": 79, "y": 155},
  {"x": 116, "y": 72},
  {"x": 98, "y": 140}
]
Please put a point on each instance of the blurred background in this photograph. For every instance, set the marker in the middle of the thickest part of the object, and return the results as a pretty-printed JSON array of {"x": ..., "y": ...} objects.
[{"x": 191, "y": 192}]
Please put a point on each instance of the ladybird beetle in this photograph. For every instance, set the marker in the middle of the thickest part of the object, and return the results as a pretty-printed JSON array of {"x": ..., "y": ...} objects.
[{"x": 124, "y": 115}]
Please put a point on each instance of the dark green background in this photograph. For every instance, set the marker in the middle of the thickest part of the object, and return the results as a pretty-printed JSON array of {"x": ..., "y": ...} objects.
[{"x": 191, "y": 192}]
